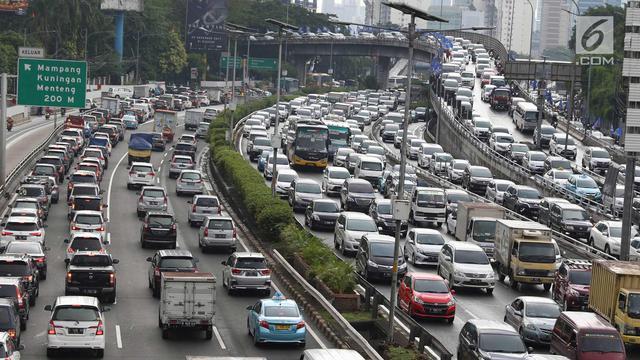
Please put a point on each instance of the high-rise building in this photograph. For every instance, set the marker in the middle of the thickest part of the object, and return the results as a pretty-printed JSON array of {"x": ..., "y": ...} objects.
[
  {"x": 555, "y": 24},
  {"x": 346, "y": 10},
  {"x": 631, "y": 75},
  {"x": 311, "y": 5},
  {"x": 584, "y": 5},
  {"x": 513, "y": 24}
]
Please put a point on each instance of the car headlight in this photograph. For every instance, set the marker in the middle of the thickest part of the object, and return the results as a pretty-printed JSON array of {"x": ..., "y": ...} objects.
[
  {"x": 451, "y": 302},
  {"x": 569, "y": 227},
  {"x": 372, "y": 264},
  {"x": 402, "y": 265},
  {"x": 316, "y": 217},
  {"x": 490, "y": 275},
  {"x": 521, "y": 272},
  {"x": 629, "y": 330},
  {"x": 458, "y": 273},
  {"x": 417, "y": 300},
  {"x": 530, "y": 326}
]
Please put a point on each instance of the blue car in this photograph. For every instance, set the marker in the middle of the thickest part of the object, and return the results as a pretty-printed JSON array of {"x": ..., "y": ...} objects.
[
  {"x": 584, "y": 185},
  {"x": 262, "y": 159},
  {"x": 276, "y": 320}
]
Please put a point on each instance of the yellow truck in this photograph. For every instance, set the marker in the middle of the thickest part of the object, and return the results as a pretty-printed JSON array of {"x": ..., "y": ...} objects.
[
  {"x": 524, "y": 252},
  {"x": 615, "y": 295}
]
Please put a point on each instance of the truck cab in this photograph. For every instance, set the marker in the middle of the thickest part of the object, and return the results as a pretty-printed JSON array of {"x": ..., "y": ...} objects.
[
  {"x": 481, "y": 231},
  {"x": 428, "y": 205}
]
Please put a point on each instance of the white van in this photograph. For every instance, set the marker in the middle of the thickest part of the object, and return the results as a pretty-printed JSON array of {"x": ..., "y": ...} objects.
[
  {"x": 428, "y": 204},
  {"x": 525, "y": 116},
  {"x": 330, "y": 354},
  {"x": 369, "y": 168}
]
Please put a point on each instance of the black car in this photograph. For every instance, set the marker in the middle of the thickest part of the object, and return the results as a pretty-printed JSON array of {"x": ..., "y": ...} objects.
[
  {"x": 380, "y": 212},
  {"x": 169, "y": 261},
  {"x": 159, "y": 143},
  {"x": 322, "y": 213},
  {"x": 23, "y": 267},
  {"x": 91, "y": 273},
  {"x": 356, "y": 195},
  {"x": 522, "y": 199},
  {"x": 10, "y": 320},
  {"x": 12, "y": 288},
  {"x": 476, "y": 179},
  {"x": 159, "y": 228},
  {"x": 375, "y": 257},
  {"x": 185, "y": 149},
  {"x": 85, "y": 202},
  {"x": 570, "y": 219}
]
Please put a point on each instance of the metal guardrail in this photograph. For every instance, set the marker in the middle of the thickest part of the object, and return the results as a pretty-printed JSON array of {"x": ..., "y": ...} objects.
[{"x": 428, "y": 46}]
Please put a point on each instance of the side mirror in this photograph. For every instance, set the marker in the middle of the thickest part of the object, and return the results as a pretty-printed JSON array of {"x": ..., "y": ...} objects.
[
  {"x": 224, "y": 263},
  {"x": 149, "y": 259},
  {"x": 188, "y": 201},
  {"x": 66, "y": 241},
  {"x": 115, "y": 261},
  {"x": 529, "y": 349},
  {"x": 249, "y": 307},
  {"x": 47, "y": 308},
  {"x": 447, "y": 258},
  {"x": 66, "y": 261},
  {"x": 453, "y": 292},
  {"x": 104, "y": 206},
  {"x": 106, "y": 308},
  {"x": 20, "y": 347}
]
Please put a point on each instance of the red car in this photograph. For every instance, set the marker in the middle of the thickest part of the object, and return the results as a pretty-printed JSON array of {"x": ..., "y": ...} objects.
[{"x": 427, "y": 296}]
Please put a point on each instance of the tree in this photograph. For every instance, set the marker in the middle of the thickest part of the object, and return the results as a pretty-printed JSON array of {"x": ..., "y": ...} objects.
[{"x": 172, "y": 58}]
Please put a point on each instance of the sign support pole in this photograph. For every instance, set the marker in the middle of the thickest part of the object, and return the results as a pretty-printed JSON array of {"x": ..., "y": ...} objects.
[{"x": 3, "y": 127}]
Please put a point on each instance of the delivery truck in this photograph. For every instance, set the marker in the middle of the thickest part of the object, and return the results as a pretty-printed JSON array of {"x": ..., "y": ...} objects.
[
  {"x": 140, "y": 146},
  {"x": 140, "y": 91},
  {"x": 187, "y": 300},
  {"x": 193, "y": 118},
  {"x": 615, "y": 295},
  {"x": 165, "y": 121},
  {"x": 111, "y": 104},
  {"x": 524, "y": 252},
  {"x": 476, "y": 223}
]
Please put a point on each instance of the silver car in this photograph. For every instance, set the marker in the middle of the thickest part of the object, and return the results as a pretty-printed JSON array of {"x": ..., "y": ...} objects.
[
  {"x": 189, "y": 182},
  {"x": 533, "y": 317},
  {"x": 201, "y": 207},
  {"x": 179, "y": 163},
  {"x": 246, "y": 271},
  {"x": 22, "y": 228},
  {"x": 88, "y": 221},
  {"x": 217, "y": 232},
  {"x": 152, "y": 198}
]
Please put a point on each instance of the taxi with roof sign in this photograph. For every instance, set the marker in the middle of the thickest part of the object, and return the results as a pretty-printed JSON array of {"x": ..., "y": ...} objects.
[{"x": 276, "y": 320}]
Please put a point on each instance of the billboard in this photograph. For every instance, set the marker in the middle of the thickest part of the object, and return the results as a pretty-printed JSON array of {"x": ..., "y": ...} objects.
[
  {"x": 205, "y": 24},
  {"x": 17, "y": 6},
  {"x": 122, "y": 5}
]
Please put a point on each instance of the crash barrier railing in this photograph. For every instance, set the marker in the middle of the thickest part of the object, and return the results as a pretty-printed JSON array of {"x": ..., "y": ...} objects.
[
  {"x": 566, "y": 242},
  {"x": 430, "y": 346},
  {"x": 430, "y": 45},
  {"x": 514, "y": 170},
  {"x": 419, "y": 338}
]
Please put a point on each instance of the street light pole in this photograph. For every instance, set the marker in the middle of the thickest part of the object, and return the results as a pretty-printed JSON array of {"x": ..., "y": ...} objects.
[
  {"x": 573, "y": 80},
  {"x": 533, "y": 16},
  {"x": 138, "y": 58}
]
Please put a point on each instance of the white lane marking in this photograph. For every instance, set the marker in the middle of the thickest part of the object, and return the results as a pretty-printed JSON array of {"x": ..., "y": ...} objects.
[
  {"x": 165, "y": 154},
  {"x": 219, "y": 338},
  {"x": 157, "y": 180},
  {"x": 118, "y": 337},
  {"x": 113, "y": 173}
]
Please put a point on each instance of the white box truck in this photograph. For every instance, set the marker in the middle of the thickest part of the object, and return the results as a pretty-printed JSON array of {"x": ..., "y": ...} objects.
[
  {"x": 193, "y": 118},
  {"x": 187, "y": 300},
  {"x": 476, "y": 223},
  {"x": 141, "y": 91},
  {"x": 111, "y": 104}
]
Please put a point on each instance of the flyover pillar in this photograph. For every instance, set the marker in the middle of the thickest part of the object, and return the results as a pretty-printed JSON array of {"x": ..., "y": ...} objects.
[
  {"x": 382, "y": 71},
  {"x": 299, "y": 62}
]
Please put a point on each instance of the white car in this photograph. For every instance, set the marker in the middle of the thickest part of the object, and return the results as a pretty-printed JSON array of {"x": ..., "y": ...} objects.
[
  {"x": 465, "y": 264},
  {"x": 500, "y": 142},
  {"x": 76, "y": 322},
  {"x": 559, "y": 142},
  {"x": 88, "y": 221},
  {"x": 141, "y": 174},
  {"x": 332, "y": 179},
  {"x": 455, "y": 170},
  {"x": 414, "y": 147},
  {"x": 425, "y": 154},
  {"x": 606, "y": 235},
  {"x": 423, "y": 246},
  {"x": 188, "y": 138},
  {"x": 350, "y": 226},
  {"x": 85, "y": 241},
  {"x": 496, "y": 189},
  {"x": 534, "y": 161},
  {"x": 557, "y": 176},
  {"x": 22, "y": 228},
  {"x": 284, "y": 177},
  {"x": 189, "y": 182}
]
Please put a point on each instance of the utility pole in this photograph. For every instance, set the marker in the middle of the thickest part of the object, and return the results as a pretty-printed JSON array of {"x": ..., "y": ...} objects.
[
  {"x": 138, "y": 58},
  {"x": 625, "y": 242},
  {"x": 248, "y": 78},
  {"x": 3, "y": 128},
  {"x": 540, "y": 105}
]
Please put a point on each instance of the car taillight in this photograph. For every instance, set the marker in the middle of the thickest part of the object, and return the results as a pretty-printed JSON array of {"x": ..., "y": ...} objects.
[
  {"x": 265, "y": 272},
  {"x": 264, "y": 324},
  {"x": 101, "y": 228},
  {"x": 41, "y": 260},
  {"x": 300, "y": 325},
  {"x": 35, "y": 233},
  {"x": 52, "y": 328},
  {"x": 156, "y": 271},
  {"x": 99, "y": 328},
  {"x": 206, "y": 232},
  {"x": 70, "y": 250},
  {"x": 151, "y": 173},
  {"x": 69, "y": 276},
  {"x": 4, "y": 233},
  {"x": 74, "y": 227},
  {"x": 112, "y": 279},
  {"x": 173, "y": 227},
  {"x": 236, "y": 271},
  {"x": 234, "y": 232},
  {"x": 193, "y": 208},
  {"x": 20, "y": 299},
  {"x": 165, "y": 200},
  {"x": 12, "y": 333}
]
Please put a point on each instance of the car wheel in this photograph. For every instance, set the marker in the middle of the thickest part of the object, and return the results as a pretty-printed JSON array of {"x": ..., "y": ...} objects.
[
  {"x": 607, "y": 250},
  {"x": 100, "y": 353},
  {"x": 256, "y": 340},
  {"x": 342, "y": 248},
  {"x": 32, "y": 300},
  {"x": 51, "y": 352},
  {"x": 335, "y": 242},
  {"x": 489, "y": 291},
  {"x": 209, "y": 333},
  {"x": 165, "y": 333},
  {"x": 547, "y": 287},
  {"x": 413, "y": 259}
]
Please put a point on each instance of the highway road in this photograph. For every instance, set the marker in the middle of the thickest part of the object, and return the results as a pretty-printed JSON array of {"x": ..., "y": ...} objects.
[{"x": 131, "y": 325}]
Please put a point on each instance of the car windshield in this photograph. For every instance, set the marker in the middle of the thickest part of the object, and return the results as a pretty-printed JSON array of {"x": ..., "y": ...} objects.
[
  {"x": 141, "y": 168},
  {"x": 529, "y": 194},
  {"x": 455, "y": 198},
  {"x": 375, "y": 150},
  {"x": 481, "y": 172},
  {"x": 542, "y": 310},
  {"x": 153, "y": 193},
  {"x": 21, "y": 226},
  {"x": 426, "y": 198},
  {"x": 578, "y": 215},
  {"x": 7, "y": 291},
  {"x": 75, "y": 313},
  {"x": 339, "y": 175},
  {"x": 251, "y": 263},
  {"x": 600, "y": 154},
  {"x": 31, "y": 191},
  {"x": 344, "y": 152},
  {"x": 382, "y": 249},
  {"x": 482, "y": 124},
  {"x": 84, "y": 190},
  {"x": 25, "y": 205},
  {"x": 561, "y": 140},
  {"x": 615, "y": 231},
  {"x": 286, "y": 178},
  {"x": 44, "y": 170},
  {"x": 601, "y": 343},
  {"x": 580, "y": 277},
  {"x": 181, "y": 160},
  {"x": 363, "y": 188},
  {"x": 13, "y": 269},
  {"x": 502, "y": 186},
  {"x": 502, "y": 343},
  {"x": 308, "y": 188},
  {"x": 23, "y": 247},
  {"x": 444, "y": 158},
  {"x": 471, "y": 257},
  {"x": 561, "y": 164},
  {"x": 562, "y": 175},
  {"x": 86, "y": 244},
  {"x": 504, "y": 139},
  {"x": 88, "y": 219},
  {"x": 429, "y": 239},
  {"x": 92, "y": 153},
  {"x": 633, "y": 306},
  {"x": 430, "y": 286},
  {"x": 460, "y": 165},
  {"x": 261, "y": 141},
  {"x": 537, "y": 252},
  {"x": 220, "y": 224},
  {"x": 177, "y": 263},
  {"x": 326, "y": 206},
  {"x": 91, "y": 260},
  {"x": 281, "y": 311},
  {"x": 537, "y": 156},
  {"x": 367, "y": 225},
  {"x": 384, "y": 209},
  {"x": 484, "y": 230},
  {"x": 160, "y": 220},
  {"x": 587, "y": 183},
  {"x": 189, "y": 176},
  {"x": 371, "y": 166}
]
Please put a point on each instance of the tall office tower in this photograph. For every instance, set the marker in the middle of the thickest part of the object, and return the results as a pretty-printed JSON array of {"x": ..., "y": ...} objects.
[
  {"x": 513, "y": 25},
  {"x": 555, "y": 24},
  {"x": 631, "y": 77}
]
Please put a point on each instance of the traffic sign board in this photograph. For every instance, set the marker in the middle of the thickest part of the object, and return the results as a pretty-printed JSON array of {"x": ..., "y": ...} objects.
[
  {"x": 30, "y": 52},
  {"x": 254, "y": 63},
  {"x": 55, "y": 83}
]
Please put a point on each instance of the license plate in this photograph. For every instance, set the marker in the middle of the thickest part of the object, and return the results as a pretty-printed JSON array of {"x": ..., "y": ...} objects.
[
  {"x": 282, "y": 327},
  {"x": 153, "y": 203},
  {"x": 220, "y": 236},
  {"x": 250, "y": 273},
  {"x": 21, "y": 237},
  {"x": 141, "y": 175},
  {"x": 75, "y": 331},
  {"x": 206, "y": 211},
  {"x": 475, "y": 281},
  {"x": 535, "y": 279},
  {"x": 91, "y": 291}
]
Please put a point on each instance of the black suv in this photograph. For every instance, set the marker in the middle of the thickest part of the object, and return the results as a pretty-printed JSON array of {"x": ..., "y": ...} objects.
[
  {"x": 10, "y": 320},
  {"x": 356, "y": 195},
  {"x": 570, "y": 219},
  {"x": 159, "y": 228},
  {"x": 322, "y": 213},
  {"x": 184, "y": 148},
  {"x": 13, "y": 289},
  {"x": 23, "y": 267},
  {"x": 91, "y": 273},
  {"x": 476, "y": 179},
  {"x": 380, "y": 212},
  {"x": 169, "y": 261},
  {"x": 524, "y": 200}
]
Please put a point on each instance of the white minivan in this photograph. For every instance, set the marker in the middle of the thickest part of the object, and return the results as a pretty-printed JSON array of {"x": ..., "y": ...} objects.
[
  {"x": 369, "y": 168},
  {"x": 525, "y": 116},
  {"x": 428, "y": 204}
]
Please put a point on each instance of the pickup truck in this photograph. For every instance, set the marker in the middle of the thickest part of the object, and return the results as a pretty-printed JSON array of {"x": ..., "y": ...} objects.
[{"x": 91, "y": 273}]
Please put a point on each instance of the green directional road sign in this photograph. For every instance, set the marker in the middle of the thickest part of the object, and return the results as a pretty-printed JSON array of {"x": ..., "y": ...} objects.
[
  {"x": 49, "y": 82},
  {"x": 254, "y": 63}
]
